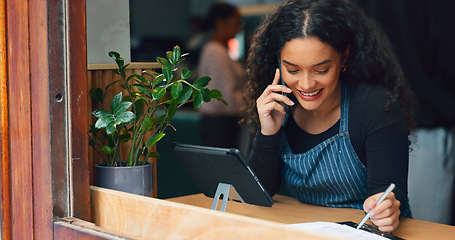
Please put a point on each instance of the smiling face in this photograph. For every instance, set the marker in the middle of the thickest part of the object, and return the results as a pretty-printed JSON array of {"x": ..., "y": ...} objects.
[{"x": 311, "y": 69}]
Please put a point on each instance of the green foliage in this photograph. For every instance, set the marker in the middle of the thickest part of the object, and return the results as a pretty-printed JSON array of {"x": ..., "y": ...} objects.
[{"x": 130, "y": 117}]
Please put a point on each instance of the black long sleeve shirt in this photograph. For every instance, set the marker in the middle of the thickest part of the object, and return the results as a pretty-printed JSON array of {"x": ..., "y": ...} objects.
[{"x": 421, "y": 32}]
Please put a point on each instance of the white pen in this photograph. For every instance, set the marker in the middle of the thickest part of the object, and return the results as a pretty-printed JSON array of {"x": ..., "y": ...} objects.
[{"x": 383, "y": 196}]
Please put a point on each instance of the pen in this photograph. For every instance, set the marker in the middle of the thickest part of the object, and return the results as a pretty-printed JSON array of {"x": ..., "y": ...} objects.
[{"x": 383, "y": 196}]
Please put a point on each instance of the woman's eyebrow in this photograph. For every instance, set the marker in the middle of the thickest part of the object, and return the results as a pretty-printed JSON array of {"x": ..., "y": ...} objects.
[
  {"x": 288, "y": 63},
  {"x": 322, "y": 63},
  {"x": 315, "y": 65}
]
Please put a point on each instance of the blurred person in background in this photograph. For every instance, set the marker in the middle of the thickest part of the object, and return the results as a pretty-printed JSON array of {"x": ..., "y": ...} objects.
[{"x": 220, "y": 126}]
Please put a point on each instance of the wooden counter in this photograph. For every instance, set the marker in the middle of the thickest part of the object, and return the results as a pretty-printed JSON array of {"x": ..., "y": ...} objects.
[
  {"x": 130, "y": 216},
  {"x": 289, "y": 210}
]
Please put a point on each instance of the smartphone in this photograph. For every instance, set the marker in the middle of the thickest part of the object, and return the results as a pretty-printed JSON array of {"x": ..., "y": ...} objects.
[
  {"x": 286, "y": 107},
  {"x": 281, "y": 76}
]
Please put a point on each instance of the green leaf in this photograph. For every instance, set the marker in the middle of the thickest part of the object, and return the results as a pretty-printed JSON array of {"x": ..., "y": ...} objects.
[
  {"x": 121, "y": 108},
  {"x": 158, "y": 92},
  {"x": 144, "y": 99},
  {"x": 115, "y": 55},
  {"x": 142, "y": 78},
  {"x": 151, "y": 73},
  {"x": 99, "y": 113},
  {"x": 111, "y": 84},
  {"x": 139, "y": 107},
  {"x": 168, "y": 74},
  {"x": 143, "y": 91},
  {"x": 131, "y": 76},
  {"x": 201, "y": 82},
  {"x": 197, "y": 99},
  {"x": 171, "y": 110},
  {"x": 177, "y": 52},
  {"x": 225, "y": 103},
  {"x": 125, "y": 117},
  {"x": 176, "y": 89},
  {"x": 162, "y": 61},
  {"x": 185, "y": 95},
  {"x": 186, "y": 73},
  {"x": 116, "y": 71},
  {"x": 127, "y": 98},
  {"x": 119, "y": 60},
  {"x": 108, "y": 150},
  {"x": 125, "y": 86},
  {"x": 170, "y": 57},
  {"x": 214, "y": 93},
  {"x": 97, "y": 94},
  {"x": 154, "y": 139},
  {"x": 206, "y": 95},
  {"x": 180, "y": 60},
  {"x": 147, "y": 124},
  {"x": 104, "y": 121},
  {"x": 158, "y": 79},
  {"x": 116, "y": 101},
  {"x": 111, "y": 128},
  {"x": 158, "y": 119}
]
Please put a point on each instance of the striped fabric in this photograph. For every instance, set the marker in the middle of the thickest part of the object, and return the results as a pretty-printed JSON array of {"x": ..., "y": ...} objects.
[{"x": 330, "y": 174}]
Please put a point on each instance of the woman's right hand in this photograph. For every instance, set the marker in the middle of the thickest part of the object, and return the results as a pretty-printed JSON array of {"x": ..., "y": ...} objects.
[{"x": 270, "y": 106}]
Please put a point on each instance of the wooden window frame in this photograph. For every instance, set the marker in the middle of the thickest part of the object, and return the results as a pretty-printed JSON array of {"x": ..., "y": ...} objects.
[{"x": 43, "y": 139}]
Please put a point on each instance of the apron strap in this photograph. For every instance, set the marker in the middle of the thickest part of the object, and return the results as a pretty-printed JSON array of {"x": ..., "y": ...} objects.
[{"x": 344, "y": 107}]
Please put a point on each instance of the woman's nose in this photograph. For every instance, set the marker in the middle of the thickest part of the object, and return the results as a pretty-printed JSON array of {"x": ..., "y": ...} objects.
[{"x": 306, "y": 82}]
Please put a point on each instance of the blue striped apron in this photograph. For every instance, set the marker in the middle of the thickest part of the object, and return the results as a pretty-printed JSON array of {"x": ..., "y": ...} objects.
[{"x": 330, "y": 174}]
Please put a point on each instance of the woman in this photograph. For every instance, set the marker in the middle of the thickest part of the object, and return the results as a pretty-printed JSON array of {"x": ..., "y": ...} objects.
[
  {"x": 220, "y": 122},
  {"x": 344, "y": 138}
]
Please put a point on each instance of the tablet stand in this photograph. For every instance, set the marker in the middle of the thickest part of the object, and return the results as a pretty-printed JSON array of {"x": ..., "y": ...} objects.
[{"x": 224, "y": 190}]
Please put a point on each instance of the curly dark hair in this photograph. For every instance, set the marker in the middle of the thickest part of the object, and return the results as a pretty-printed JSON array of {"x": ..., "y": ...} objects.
[{"x": 340, "y": 23}]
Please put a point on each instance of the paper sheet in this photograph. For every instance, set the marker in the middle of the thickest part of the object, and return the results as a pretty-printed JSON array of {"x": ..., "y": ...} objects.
[{"x": 338, "y": 230}]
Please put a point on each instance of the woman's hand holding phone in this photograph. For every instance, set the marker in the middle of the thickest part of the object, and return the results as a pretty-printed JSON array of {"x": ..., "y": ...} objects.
[{"x": 271, "y": 107}]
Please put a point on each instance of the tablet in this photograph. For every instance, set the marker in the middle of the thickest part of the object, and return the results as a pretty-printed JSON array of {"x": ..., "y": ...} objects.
[{"x": 208, "y": 166}]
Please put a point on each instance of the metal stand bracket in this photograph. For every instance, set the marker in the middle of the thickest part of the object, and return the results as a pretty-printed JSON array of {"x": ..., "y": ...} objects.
[{"x": 228, "y": 192}]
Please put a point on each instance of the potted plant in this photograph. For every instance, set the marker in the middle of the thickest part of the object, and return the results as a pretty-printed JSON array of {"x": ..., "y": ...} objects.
[{"x": 132, "y": 119}]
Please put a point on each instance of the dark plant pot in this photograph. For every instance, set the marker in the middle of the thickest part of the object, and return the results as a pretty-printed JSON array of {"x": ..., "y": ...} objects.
[{"x": 136, "y": 179}]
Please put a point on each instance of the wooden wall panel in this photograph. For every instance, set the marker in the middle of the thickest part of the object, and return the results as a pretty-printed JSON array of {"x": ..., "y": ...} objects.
[
  {"x": 4, "y": 137},
  {"x": 78, "y": 125},
  {"x": 20, "y": 119},
  {"x": 41, "y": 155},
  {"x": 58, "y": 87},
  {"x": 68, "y": 106}
]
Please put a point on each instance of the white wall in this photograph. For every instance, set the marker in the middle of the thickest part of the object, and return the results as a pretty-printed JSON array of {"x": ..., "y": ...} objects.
[{"x": 108, "y": 29}]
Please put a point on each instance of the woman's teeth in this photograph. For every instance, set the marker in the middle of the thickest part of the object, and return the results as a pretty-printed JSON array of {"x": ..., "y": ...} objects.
[{"x": 310, "y": 94}]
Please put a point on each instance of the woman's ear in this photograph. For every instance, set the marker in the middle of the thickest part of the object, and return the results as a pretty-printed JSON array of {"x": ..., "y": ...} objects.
[{"x": 345, "y": 55}]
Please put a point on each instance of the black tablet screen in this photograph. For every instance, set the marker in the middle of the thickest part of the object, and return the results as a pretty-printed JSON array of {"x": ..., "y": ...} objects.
[{"x": 208, "y": 166}]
